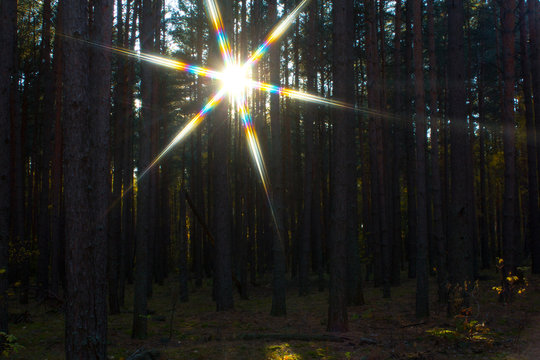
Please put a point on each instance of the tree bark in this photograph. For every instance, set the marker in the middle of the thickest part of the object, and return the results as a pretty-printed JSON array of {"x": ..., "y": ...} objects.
[
  {"x": 438, "y": 232},
  {"x": 422, "y": 284},
  {"x": 46, "y": 112},
  {"x": 460, "y": 239},
  {"x": 509, "y": 136},
  {"x": 343, "y": 124},
  {"x": 8, "y": 33},
  {"x": 222, "y": 209},
  {"x": 85, "y": 152},
  {"x": 534, "y": 214},
  {"x": 534, "y": 33},
  {"x": 279, "y": 306},
  {"x": 311, "y": 113},
  {"x": 144, "y": 233}
]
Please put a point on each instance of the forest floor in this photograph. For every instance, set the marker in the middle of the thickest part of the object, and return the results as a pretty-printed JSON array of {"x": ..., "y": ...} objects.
[{"x": 380, "y": 329}]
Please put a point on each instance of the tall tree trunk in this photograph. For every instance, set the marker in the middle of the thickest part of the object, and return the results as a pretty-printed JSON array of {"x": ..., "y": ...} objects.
[
  {"x": 509, "y": 137},
  {"x": 115, "y": 225},
  {"x": 438, "y": 232},
  {"x": 397, "y": 149},
  {"x": 85, "y": 153},
  {"x": 534, "y": 214},
  {"x": 343, "y": 128},
  {"x": 311, "y": 114},
  {"x": 460, "y": 239},
  {"x": 47, "y": 127},
  {"x": 422, "y": 285},
  {"x": 144, "y": 233},
  {"x": 8, "y": 33},
  {"x": 222, "y": 209},
  {"x": 57, "y": 231},
  {"x": 534, "y": 33},
  {"x": 279, "y": 307},
  {"x": 485, "y": 250},
  {"x": 410, "y": 148}
]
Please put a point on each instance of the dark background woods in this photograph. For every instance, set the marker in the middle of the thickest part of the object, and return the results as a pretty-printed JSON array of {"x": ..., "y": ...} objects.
[{"x": 435, "y": 175}]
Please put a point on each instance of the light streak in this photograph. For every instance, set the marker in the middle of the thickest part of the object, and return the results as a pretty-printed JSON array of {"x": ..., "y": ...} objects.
[
  {"x": 275, "y": 34},
  {"x": 186, "y": 130},
  {"x": 256, "y": 154},
  {"x": 296, "y": 94},
  {"x": 155, "y": 59},
  {"x": 217, "y": 23}
]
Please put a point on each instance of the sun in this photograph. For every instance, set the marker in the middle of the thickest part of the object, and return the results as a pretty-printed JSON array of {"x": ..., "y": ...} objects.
[{"x": 235, "y": 79}]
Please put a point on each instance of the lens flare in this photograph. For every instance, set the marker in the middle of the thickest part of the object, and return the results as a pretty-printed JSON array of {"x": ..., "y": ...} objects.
[
  {"x": 217, "y": 23},
  {"x": 186, "y": 130},
  {"x": 276, "y": 33},
  {"x": 235, "y": 80}
]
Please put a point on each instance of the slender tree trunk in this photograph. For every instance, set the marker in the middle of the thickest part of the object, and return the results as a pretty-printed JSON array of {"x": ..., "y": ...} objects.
[
  {"x": 183, "y": 245},
  {"x": 343, "y": 128},
  {"x": 279, "y": 307},
  {"x": 47, "y": 127},
  {"x": 509, "y": 137},
  {"x": 534, "y": 214},
  {"x": 397, "y": 149},
  {"x": 222, "y": 202},
  {"x": 438, "y": 231},
  {"x": 485, "y": 249},
  {"x": 115, "y": 229},
  {"x": 311, "y": 114},
  {"x": 460, "y": 238},
  {"x": 422, "y": 285},
  {"x": 56, "y": 176},
  {"x": 410, "y": 148},
  {"x": 144, "y": 233},
  {"x": 534, "y": 33},
  {"x": 8, "y": 33}
]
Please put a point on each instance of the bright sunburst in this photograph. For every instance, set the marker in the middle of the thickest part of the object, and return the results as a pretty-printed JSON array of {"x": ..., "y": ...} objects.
[{"x": 235, "y": 81}]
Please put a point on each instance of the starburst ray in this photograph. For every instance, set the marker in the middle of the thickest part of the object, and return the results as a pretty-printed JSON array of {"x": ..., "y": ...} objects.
[
  {"x": 186, "y": 130},
  {"x": 256, "y": 153},
  {"x": 217, "y": 23},
  {"x": 155, "y": 59},
  {"x": 276, "y": 33},
  {"x": 307, "y": 97},
  {"x": 296, "y": 94}
]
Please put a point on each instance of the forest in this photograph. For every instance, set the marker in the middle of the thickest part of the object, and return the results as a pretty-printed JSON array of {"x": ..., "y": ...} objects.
[{"x": 269, "y": 179}]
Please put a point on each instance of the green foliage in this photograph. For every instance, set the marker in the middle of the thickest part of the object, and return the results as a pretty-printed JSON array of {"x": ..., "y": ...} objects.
[{"x": 9, "y": 344}]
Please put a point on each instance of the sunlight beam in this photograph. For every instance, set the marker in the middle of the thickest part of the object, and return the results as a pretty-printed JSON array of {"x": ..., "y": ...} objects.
[
  {"x": 186, "y": 130},
  {"x": 256, "y": 154},
  {"x": 217, "y": 23},
  {"x": 275, "y": 34}
]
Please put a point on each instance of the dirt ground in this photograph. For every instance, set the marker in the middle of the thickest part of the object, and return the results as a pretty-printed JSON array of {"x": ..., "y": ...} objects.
[{"x": 380, "y": 329}]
